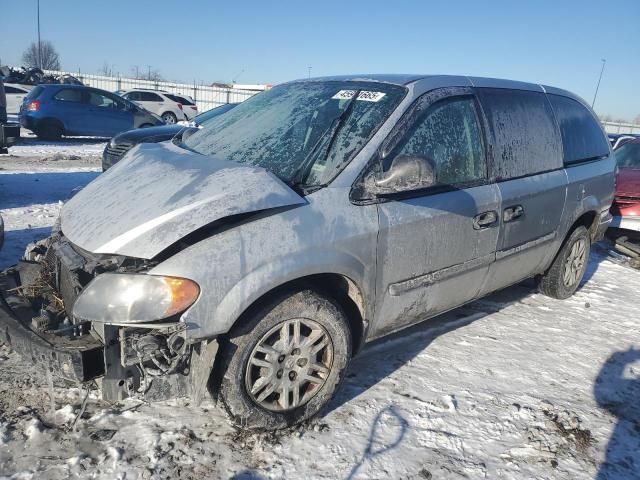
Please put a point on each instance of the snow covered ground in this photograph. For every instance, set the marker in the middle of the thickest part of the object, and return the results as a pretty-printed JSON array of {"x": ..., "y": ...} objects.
[{"x": 514, "y": 386}]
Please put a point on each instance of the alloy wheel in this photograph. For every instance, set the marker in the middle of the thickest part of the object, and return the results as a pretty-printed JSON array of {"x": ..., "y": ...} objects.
[
  {"x": 289, "y": 365},
  {"x": 575, "y": 262}
]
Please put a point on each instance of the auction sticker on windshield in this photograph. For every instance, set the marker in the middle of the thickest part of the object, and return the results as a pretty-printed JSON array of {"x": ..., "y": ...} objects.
[{"x": 364, "y": 95}]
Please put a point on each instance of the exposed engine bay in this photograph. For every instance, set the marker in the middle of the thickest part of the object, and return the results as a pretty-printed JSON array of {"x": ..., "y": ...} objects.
[{"x": 135, "y": 356}]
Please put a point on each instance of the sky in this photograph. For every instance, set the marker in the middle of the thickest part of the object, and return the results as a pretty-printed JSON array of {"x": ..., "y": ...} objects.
[{"x": 554, "y": 42}]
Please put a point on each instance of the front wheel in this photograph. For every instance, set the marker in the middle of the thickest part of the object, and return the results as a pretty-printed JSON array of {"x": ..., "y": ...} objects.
[
  {"x": 284, "y": 363},
  {"x": 562, "y": 279}
]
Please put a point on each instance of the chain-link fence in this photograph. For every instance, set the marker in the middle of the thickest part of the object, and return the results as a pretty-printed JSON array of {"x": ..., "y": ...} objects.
[{"x": 204, "y": 96}]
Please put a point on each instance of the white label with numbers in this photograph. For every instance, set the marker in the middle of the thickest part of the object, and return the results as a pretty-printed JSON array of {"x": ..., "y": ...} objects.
[{"x": 364, "y": 95}]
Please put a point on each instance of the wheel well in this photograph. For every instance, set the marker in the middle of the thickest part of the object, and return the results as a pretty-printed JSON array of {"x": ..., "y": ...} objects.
[
  {"x": 341, "y": 289},
  {"x": 587, "y": 220},
  {"x": 51, "y": 120}
]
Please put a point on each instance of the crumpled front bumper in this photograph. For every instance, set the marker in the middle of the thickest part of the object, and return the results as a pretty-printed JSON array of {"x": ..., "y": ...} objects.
[{"x": 77, "y": 359}]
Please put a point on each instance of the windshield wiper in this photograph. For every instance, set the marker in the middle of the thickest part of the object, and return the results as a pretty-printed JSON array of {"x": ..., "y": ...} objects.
[{"x": 302, "y": 172}]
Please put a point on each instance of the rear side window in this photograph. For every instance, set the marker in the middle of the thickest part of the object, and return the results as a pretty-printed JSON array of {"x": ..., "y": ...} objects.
[
  {"x": 582, "y": 136},
  {"x": 526, "y": 139},
  {"x": 69, "y": 95},
  {"x": 149, "y": 97},
  {"x": 448, "y": 135}
]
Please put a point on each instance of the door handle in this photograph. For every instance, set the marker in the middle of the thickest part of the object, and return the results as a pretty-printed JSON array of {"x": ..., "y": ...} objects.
[
  {"x": 485, "y": 220},
  {"x": 513, "y": 213}
]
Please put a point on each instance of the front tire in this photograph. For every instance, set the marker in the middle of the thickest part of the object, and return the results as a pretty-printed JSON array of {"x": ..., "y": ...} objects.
[
  {"x": 284, "y": 363},
  {"x": 567, "y": 270}
]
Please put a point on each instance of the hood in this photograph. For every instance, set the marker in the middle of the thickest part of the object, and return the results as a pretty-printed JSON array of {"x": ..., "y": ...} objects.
[
  {"x": 159, "y": 193},
  {"x": 628, "y": 182},
  {"x": 149, "y": 134}
]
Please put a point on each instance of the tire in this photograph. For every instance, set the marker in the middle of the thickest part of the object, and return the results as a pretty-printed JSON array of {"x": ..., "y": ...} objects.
[
  {"x": 169, "y": 118},
  {"x": 239, "y": 377},
  {"x": 49, "y": 130},
  {"x": 566, "y": 272}
]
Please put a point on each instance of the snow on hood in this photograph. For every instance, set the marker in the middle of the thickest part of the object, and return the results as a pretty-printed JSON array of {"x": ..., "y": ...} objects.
[{"x": 160, "y": 193}]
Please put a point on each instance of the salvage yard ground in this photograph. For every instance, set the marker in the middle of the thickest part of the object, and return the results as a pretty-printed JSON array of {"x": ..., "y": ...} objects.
[{"x": 514, "y": 386}]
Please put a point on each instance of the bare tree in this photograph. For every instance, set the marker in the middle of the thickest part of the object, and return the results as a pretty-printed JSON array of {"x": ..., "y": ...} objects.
[
  {"x": 146, "y": 74},
  {"x": 47, "y": 58},
  {"x": 106, "y": 70},
  {"x": 636, "y": 120}
]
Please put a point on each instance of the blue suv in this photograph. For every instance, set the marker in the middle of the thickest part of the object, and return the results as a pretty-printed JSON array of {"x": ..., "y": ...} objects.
[{"x": 51, "y": 111}]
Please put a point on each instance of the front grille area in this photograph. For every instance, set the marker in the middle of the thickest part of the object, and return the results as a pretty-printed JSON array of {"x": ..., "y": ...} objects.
[
  {"x": 62, "y": 271},
  {"x": 113, "y": 153}
]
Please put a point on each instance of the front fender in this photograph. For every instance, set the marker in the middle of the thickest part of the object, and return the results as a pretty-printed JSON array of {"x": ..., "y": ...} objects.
[
  {"x": 269, "y": 277},
  {"x": 236, "y": 267}
]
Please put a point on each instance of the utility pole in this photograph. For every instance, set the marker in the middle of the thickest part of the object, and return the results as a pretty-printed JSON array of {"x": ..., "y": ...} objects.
[
  {"x": 39, "y": 43},
  {"x": 604, "y": 61},
  {"x": 149, "y": 72},
  {"x": 309, "y": 76}
]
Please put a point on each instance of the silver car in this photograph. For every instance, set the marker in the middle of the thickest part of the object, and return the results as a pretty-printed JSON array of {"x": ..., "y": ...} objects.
[{"x": 254, "y": 259}]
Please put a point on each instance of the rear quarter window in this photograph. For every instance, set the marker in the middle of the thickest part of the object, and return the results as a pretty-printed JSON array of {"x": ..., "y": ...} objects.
[
  {"x": 582, "y": 137},
  {"x": 523, "y": 132}
]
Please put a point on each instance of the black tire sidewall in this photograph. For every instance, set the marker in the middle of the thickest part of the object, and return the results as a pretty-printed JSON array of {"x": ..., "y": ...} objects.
[
  {"x": 171, "y": 115},
  {"x": 236, "y": 353},
  {"x": 579, "y": 233}
]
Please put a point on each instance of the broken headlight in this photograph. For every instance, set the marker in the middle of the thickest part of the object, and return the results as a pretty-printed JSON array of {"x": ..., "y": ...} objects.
[{"x": 134, "y": 298}]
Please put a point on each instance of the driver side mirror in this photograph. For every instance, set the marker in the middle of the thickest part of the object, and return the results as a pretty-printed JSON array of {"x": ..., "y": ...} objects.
[{"x": 407, "y": 173}]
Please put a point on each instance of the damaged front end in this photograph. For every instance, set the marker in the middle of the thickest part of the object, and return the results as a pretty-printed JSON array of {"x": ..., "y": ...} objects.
[{"x": 85, "y": 316}]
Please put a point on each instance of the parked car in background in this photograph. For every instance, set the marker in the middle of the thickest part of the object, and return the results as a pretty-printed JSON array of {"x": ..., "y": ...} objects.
[
  {"x": 9, "y": 132},
  {"x": 15, "y": 96},
  {"x": 156, "y": 102},
  {"x": 123, "y": 142},
  {"x": 189, "y": 106},
  {"x": 258, "y": 255},
  {"x": 619, "y": 139},
  {"x": 51, "y": 111},
  {"x": 626, "y": 206}
]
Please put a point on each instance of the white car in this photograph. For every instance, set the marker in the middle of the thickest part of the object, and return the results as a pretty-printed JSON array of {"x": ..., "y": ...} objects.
[
  {"x": 15, "y": 95},
  {"x": 189, "y": 106},
  {"x": 156, "y": 102}
]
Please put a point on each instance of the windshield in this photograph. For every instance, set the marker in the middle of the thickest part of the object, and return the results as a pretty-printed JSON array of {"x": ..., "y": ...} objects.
[
  {"x": 304, "y": 132},
  {"x": 628, "y": 155},
  {"x": 209, "y": 115}
]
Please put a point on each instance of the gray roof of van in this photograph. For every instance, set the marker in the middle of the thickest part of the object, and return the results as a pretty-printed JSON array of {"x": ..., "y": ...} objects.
[{"x": 405, "y": 79}]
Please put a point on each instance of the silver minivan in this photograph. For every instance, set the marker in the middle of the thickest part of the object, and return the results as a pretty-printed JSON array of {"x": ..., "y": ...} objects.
[{"x": 255, "y": 258}]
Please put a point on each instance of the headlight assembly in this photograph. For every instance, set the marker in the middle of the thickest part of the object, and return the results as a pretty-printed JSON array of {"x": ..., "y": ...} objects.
[{"x": 134, "y": 298}]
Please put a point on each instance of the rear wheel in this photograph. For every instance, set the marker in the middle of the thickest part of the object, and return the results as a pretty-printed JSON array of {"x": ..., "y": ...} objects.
[
  {"x": 169, "y": 118},
  {"x": 285, "y": 363},
  {"x": 49, "y": 130},
  {"x": 562, "y": 279}
]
